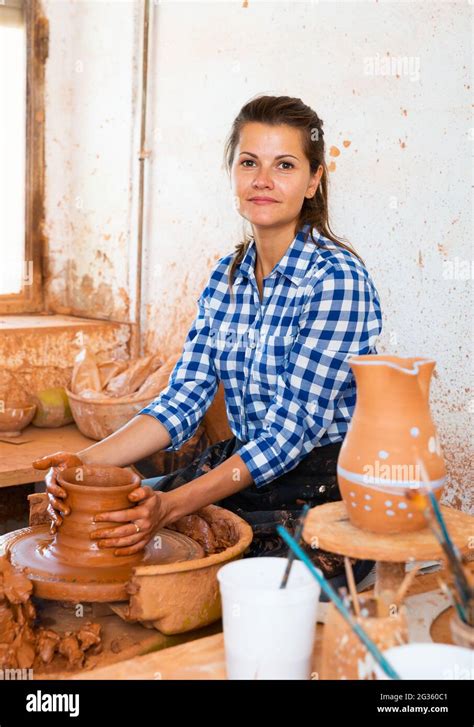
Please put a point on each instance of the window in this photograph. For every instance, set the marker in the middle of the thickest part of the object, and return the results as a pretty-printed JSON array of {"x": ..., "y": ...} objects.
[
  {"x": 12, "y": 147},
  {"x": 22, "y": 57}
]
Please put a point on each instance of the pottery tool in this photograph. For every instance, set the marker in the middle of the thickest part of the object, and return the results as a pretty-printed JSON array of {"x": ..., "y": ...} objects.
[
  {"x": 291, "y": 555},
  {"x": 405, "y": 585},
  {"x": 371, "y": 647},
  {"x": 352, "y": 586}
]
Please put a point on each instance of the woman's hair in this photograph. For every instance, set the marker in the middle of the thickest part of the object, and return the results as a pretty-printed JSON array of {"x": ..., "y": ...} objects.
[{"x": 276, "y": 110}]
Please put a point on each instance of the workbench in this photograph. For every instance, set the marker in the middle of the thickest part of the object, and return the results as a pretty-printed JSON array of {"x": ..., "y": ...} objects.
[
  {"x": 16, "y": 458},
  {"x": 204, "y": 658}
]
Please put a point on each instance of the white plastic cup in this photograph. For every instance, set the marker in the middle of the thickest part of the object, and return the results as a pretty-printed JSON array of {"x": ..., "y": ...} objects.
[
  {"x": 268, "y": 631},
  {"x": 429, "y": 661}
]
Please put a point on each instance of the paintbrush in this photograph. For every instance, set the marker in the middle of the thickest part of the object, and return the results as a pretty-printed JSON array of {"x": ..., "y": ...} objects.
[
  {"x": 455, "y": 556},
  {"x": 352, "y": 586},
  {"x": 371, "y": 647},
  {"x": 422, "y": 503},
  {"x": 291, "y": 555}
]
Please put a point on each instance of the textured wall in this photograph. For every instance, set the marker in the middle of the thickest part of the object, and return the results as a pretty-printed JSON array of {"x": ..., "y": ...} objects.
[
  {"x": 91, "y": 98},
  {"x": 393, "y": 79}
]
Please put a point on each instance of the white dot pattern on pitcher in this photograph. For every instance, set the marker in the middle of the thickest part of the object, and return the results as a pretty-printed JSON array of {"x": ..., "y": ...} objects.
[
  {"x": 383, "y": 454},
  {"x": 432, "y": 445},
  {"x": 389, "y": 504},
  {"x": 415, "y": 432}
]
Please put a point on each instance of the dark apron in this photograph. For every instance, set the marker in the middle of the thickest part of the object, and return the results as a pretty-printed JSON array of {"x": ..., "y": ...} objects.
[{"x": 312, "y": 481}]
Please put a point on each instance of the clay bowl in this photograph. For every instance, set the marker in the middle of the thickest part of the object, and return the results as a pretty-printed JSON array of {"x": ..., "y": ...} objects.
[
  {"x": 180, "y": 597},
  {"x": 15, "y": 418},
  {"x": 98, "y": 419}
]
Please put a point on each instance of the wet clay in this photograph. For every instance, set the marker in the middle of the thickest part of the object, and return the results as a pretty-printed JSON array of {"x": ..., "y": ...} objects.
[
  {"x": 22, "y": 644},
  {"x": 214, "y": 534},
  {"x": 68, "y": 565}
]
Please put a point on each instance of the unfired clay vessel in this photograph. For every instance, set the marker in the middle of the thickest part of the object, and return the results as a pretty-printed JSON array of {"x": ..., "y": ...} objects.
[
  {"x": 344, "y": 656},
  {"x": 70, "y": 566},
  {"x": 391, "y": 446}
]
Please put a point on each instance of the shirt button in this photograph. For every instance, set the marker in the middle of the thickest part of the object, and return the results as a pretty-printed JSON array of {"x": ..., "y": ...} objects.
[
  {"x": 323, "y": 488},
  {"x": 252, "y": 344}
]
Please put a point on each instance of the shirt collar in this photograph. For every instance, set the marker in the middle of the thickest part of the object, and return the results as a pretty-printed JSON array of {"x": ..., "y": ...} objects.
[{"x": 293, "y": 265}]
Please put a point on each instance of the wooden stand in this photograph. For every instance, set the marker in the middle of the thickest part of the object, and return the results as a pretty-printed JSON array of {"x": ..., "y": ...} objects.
[{"x": 328, "y": 527}]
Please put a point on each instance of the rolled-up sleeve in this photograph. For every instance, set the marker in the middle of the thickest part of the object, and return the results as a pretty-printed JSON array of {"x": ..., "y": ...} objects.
[
  {"x": 341, "y": 318},
  {"x": 192, "y": 385}
]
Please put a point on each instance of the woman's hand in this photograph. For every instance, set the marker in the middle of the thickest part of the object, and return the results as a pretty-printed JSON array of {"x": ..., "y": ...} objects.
[
  {"x": 140, "y": 522},
  {"x": 56, "y": 494}
]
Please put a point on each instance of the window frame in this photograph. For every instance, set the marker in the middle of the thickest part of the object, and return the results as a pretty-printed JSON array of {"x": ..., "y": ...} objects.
[{"x": 30, "y": 298}]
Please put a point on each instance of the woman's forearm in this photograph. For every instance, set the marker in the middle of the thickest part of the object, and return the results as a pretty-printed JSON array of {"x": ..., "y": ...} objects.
[
  {"x": 141, "y": 436},
  {"x": 229, "y": 477}
]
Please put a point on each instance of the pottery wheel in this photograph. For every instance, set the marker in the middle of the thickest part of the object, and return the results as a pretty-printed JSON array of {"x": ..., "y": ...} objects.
[{"x": 29, "y": 550}]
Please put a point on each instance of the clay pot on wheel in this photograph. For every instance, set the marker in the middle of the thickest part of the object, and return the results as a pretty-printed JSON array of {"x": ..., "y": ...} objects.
[
  {"x": 391, "y": 446},
  {"x": 69, "y": 565},
  {"x": 91, "y": 490}
]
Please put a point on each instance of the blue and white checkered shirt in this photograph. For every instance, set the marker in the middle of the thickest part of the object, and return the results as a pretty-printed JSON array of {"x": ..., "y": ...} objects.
[{"x": 282, "y": 361}]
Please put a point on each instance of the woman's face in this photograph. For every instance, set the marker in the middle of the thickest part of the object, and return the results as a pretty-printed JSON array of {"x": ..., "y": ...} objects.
[{"x": 271, "y": 174}]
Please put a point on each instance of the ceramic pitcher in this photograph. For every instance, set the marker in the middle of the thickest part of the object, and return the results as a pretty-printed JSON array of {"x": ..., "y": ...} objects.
[{"x": 391, "y": 445}]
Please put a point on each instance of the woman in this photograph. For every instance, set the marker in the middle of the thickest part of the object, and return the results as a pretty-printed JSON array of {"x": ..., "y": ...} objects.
[{"x": 276, "y": 323}]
